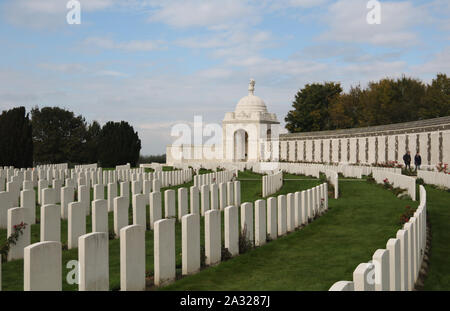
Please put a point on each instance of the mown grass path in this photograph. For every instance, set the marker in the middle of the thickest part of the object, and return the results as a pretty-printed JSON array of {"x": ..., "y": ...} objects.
[{"x": 438, "y": 207}]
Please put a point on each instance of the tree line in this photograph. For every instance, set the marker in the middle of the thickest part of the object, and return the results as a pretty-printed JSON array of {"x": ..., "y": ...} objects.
[
  {"x": 324, "y": 106},
  {"x": 55, "y": 135}
]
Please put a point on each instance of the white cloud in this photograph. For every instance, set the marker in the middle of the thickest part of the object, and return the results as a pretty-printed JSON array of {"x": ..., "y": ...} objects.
[
  {"x": 438, "y": 63},
  {"x": 128, "y": 46},
  {"x": 200, "y": 13},
  {"x": 347, "y": 23}
]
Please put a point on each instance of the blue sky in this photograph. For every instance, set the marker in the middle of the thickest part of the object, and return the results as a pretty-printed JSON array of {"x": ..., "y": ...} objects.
[{"x": 157, "y": 63}]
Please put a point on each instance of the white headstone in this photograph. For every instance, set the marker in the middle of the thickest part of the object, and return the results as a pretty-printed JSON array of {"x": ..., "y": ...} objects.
[
  {"x": 213, "y": 237},
  {"x": 93, "y": 257},
  {"x": 42, "y": 267},
  {"x": 260, "y": 223},
  {"x": 50, "y": 223},
  {"x": 132, "y": 258},
  {"x": 164, "y": 251},
  {"x": 100, "y": 216},
  {"x": 190, "y": 245},
  {"x": 232, "y": 230}
]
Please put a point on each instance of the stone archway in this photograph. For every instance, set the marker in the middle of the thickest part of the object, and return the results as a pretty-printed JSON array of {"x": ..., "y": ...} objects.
[{"x": 240, "y": 145}]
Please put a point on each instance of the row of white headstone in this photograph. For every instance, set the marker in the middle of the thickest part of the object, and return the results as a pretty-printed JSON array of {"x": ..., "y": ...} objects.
[
  {"x": 209, "y": 197},
  {"x": 435, "y": 178},
  {"x": 395, "y": 268},
  {"x": 214, "y": 178},
  {"x": 271, "y": 183},
  {"x": 281, "y": 215},
  {"x": 314, "y": 169}
]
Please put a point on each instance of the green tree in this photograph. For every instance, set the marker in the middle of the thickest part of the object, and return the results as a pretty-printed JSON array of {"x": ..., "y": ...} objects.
[
  {"x": 118, "y": 144},
  {"x": 311, "y": 107},
  {"x": 92, "y": 137},
  {"x": 16, "y": 140},
  {"x": 436, "y": 102},
  {"x": 346, "y": 110},
  {"x": 58, "y": 136}
]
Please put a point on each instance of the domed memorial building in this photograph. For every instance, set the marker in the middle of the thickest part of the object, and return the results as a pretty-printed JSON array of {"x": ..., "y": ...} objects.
[{"x": 244, "y": 135}]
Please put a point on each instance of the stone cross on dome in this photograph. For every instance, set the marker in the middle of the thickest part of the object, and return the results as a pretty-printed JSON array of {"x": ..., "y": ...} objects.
[{"x": 251, "y": 87}]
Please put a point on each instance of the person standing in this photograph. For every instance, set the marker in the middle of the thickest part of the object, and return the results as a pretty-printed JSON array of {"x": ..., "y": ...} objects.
[
  {"x": 407, "y": 159},
  {"x": 417, "y": 161}
]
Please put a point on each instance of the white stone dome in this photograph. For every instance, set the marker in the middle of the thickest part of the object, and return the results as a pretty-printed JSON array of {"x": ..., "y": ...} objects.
[{"x": 251, "y": 102}]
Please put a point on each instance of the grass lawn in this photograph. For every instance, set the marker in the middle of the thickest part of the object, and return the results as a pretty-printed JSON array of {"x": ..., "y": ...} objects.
[
  {"x": 438, "y": 207},
  {"x": 313, "y": 258}
]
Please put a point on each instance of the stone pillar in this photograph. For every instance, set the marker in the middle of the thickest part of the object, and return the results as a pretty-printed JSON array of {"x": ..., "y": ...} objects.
[
  {"x": 164, "y": 251},
  {"x": 132, "y": 257},
  {"x": 190, "y": 244},
  {"x": 42, "y": 261},
  {"x": 213, "y": 239},
  {"x": 93, "y": 257},
  {"x": 76, "y": 223}
]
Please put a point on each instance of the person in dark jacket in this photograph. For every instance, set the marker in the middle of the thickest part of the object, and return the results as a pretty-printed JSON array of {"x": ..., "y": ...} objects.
[
  {"x": 407, "y": 160},
  {"x": 417, "y": 161}
]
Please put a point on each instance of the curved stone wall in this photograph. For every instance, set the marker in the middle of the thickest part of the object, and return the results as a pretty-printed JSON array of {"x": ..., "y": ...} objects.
[{"x": 370, "y": 145}]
